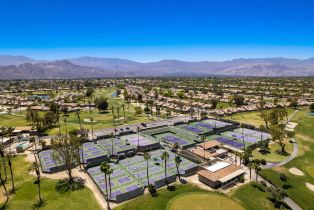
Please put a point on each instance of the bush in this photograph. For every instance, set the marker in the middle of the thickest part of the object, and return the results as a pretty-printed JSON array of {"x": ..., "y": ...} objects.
[
  {"x": 152, "y": 190},
  {"x": 282, "y": 177},
  {"x": 258, "y": 186},
  {"x": 241, "y": 179},
  {"x": 263, "y": 183},
  {"x": 263, "y": 161},
  {"x": 64, "y": 185}
]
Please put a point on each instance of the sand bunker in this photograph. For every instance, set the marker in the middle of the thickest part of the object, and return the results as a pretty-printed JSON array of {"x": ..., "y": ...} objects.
[
  {"x": 310, "y": 186},
  {"x": 88, "y": 120},
  {"x": 296, "y": 172}
]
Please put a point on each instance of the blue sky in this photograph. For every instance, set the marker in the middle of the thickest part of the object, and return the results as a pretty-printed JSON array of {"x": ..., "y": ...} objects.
[{"x": 147, "y": 30}]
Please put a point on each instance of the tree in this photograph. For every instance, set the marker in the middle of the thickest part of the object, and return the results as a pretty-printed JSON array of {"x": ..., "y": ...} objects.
[
  {"x": 178, "y": 162},
  {"x": 165, "y": 157},
  {"x": 312, "y": 107},
  {"x": 278, "y": 194},
  {"x": 106, "y": 169},
  {"x": 278, "y": 134},
  {"x": 203, "y": 138},
  {"x": 177, "y": 158},
  {"x": 123, "y": 110},
  {"x": 2, "y": 154},
  {"x": 5, "y": 189},
  {"x": 250, "y": 166},
  {"x": 293, "y": 103},
  {"x": 10, "y": 130},
  {"x": 257, "y": 168},
  {"x": 213, "y": 103},
  {"x": 147, "y": 157},
  {"x": 118, "y": 112},
  {"x": 238, "y": 100},
  {"x": 65, "y": 152},
  {"x": 79, "y": 118},
  {"x": 101, "y": 104},
  {"x": 138, "y": 110},
  {"x": 138, "y": 137},
  {"x": 203, "y": 114},
  {"x": 35, "y": 167}
]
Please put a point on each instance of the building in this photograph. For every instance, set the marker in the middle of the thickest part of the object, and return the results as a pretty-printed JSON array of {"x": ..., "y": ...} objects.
[
  {"x": 220, "y": 173},
  {"x": 209, "y": 150}
]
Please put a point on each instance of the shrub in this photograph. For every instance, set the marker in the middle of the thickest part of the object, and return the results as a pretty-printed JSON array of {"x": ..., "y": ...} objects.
[
  {"x": 263, "y": 161},
  {"x": 241, "y": 179},
  {"x": 258, "y": 186},
  {"x": 64, "y": 185},
  {"x": 152, "y": 190},
  {"x": 283, "y": 177},
  {"x": 263, "y": 183}
]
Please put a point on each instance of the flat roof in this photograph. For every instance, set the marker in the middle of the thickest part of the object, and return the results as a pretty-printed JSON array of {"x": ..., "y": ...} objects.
[{"x": 217, "y": 166}]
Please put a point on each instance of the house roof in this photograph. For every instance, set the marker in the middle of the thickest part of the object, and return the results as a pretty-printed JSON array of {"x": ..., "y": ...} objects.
[
  {"x": 221, "y": 173},
  {"x": 209, "y": 144}
]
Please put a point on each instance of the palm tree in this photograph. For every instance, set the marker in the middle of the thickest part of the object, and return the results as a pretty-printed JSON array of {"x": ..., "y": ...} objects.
[
  {"x": 91, "y": 125},
  {"x": 203, "y": 138},
  {"x": 36, "y": 169},
  {"x": 257, "y": 168},
  {"x": 79, "y": 118},
  {"x": 118, "y": 112},
  {"x": 241, "y": 157},
  {"x": 111, "y": 136},
  {"x": 123, "y": 112},
  {"x": 106, "y": 169},
  {"x": 109, "y": 180},
  {"x": 178, "y": 161},
  {"x": 138, "y": 137},
  {"x": 236, "y": 154},
  {"x": 5, "y": 189},
  {"x": 165, "y": 157},
  {"x": 113, "y": 116},
  {"x": 243, "y": 142},
  {"x": 177, "y": 158},
  {"x": 10, "y": 130},
  {"x": 147, "y": 157},
  {"x": 65, "y": 125},
  {"x": 3, "y": 155},
  {"x": 250, "y": 166}
]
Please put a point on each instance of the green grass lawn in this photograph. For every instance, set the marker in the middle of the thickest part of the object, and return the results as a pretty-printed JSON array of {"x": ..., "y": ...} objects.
[
  {"x": 273, "y": 156},
  {"x": 9, "y": 120},
  {"x": 304, "y": 162},
  {"x": 26, "y": 192},
  {"x": 101, "y": 120},
  {"x": 252, "y": 198},
  {"x": 252, "y": 118},
  {"x": 201, "y": 201},
  {"x": 161, "y": 202}
]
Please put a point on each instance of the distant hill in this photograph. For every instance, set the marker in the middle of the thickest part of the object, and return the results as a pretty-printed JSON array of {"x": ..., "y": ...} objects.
[
  {"x": 54, "y": 70},
  {"x": 6, "y": 60},
  {"x": 19, "y": 67}
]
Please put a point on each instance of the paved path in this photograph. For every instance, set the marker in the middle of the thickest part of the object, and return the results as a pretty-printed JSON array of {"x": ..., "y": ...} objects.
[
  {"x": 293, "y": 154},
  {"x": 291, "y": 157},
  {"x": 293, "y": 205}
]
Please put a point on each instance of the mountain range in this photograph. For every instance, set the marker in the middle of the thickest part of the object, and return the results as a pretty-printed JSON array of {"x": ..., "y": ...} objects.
[{"x": 20, "y": 67}]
